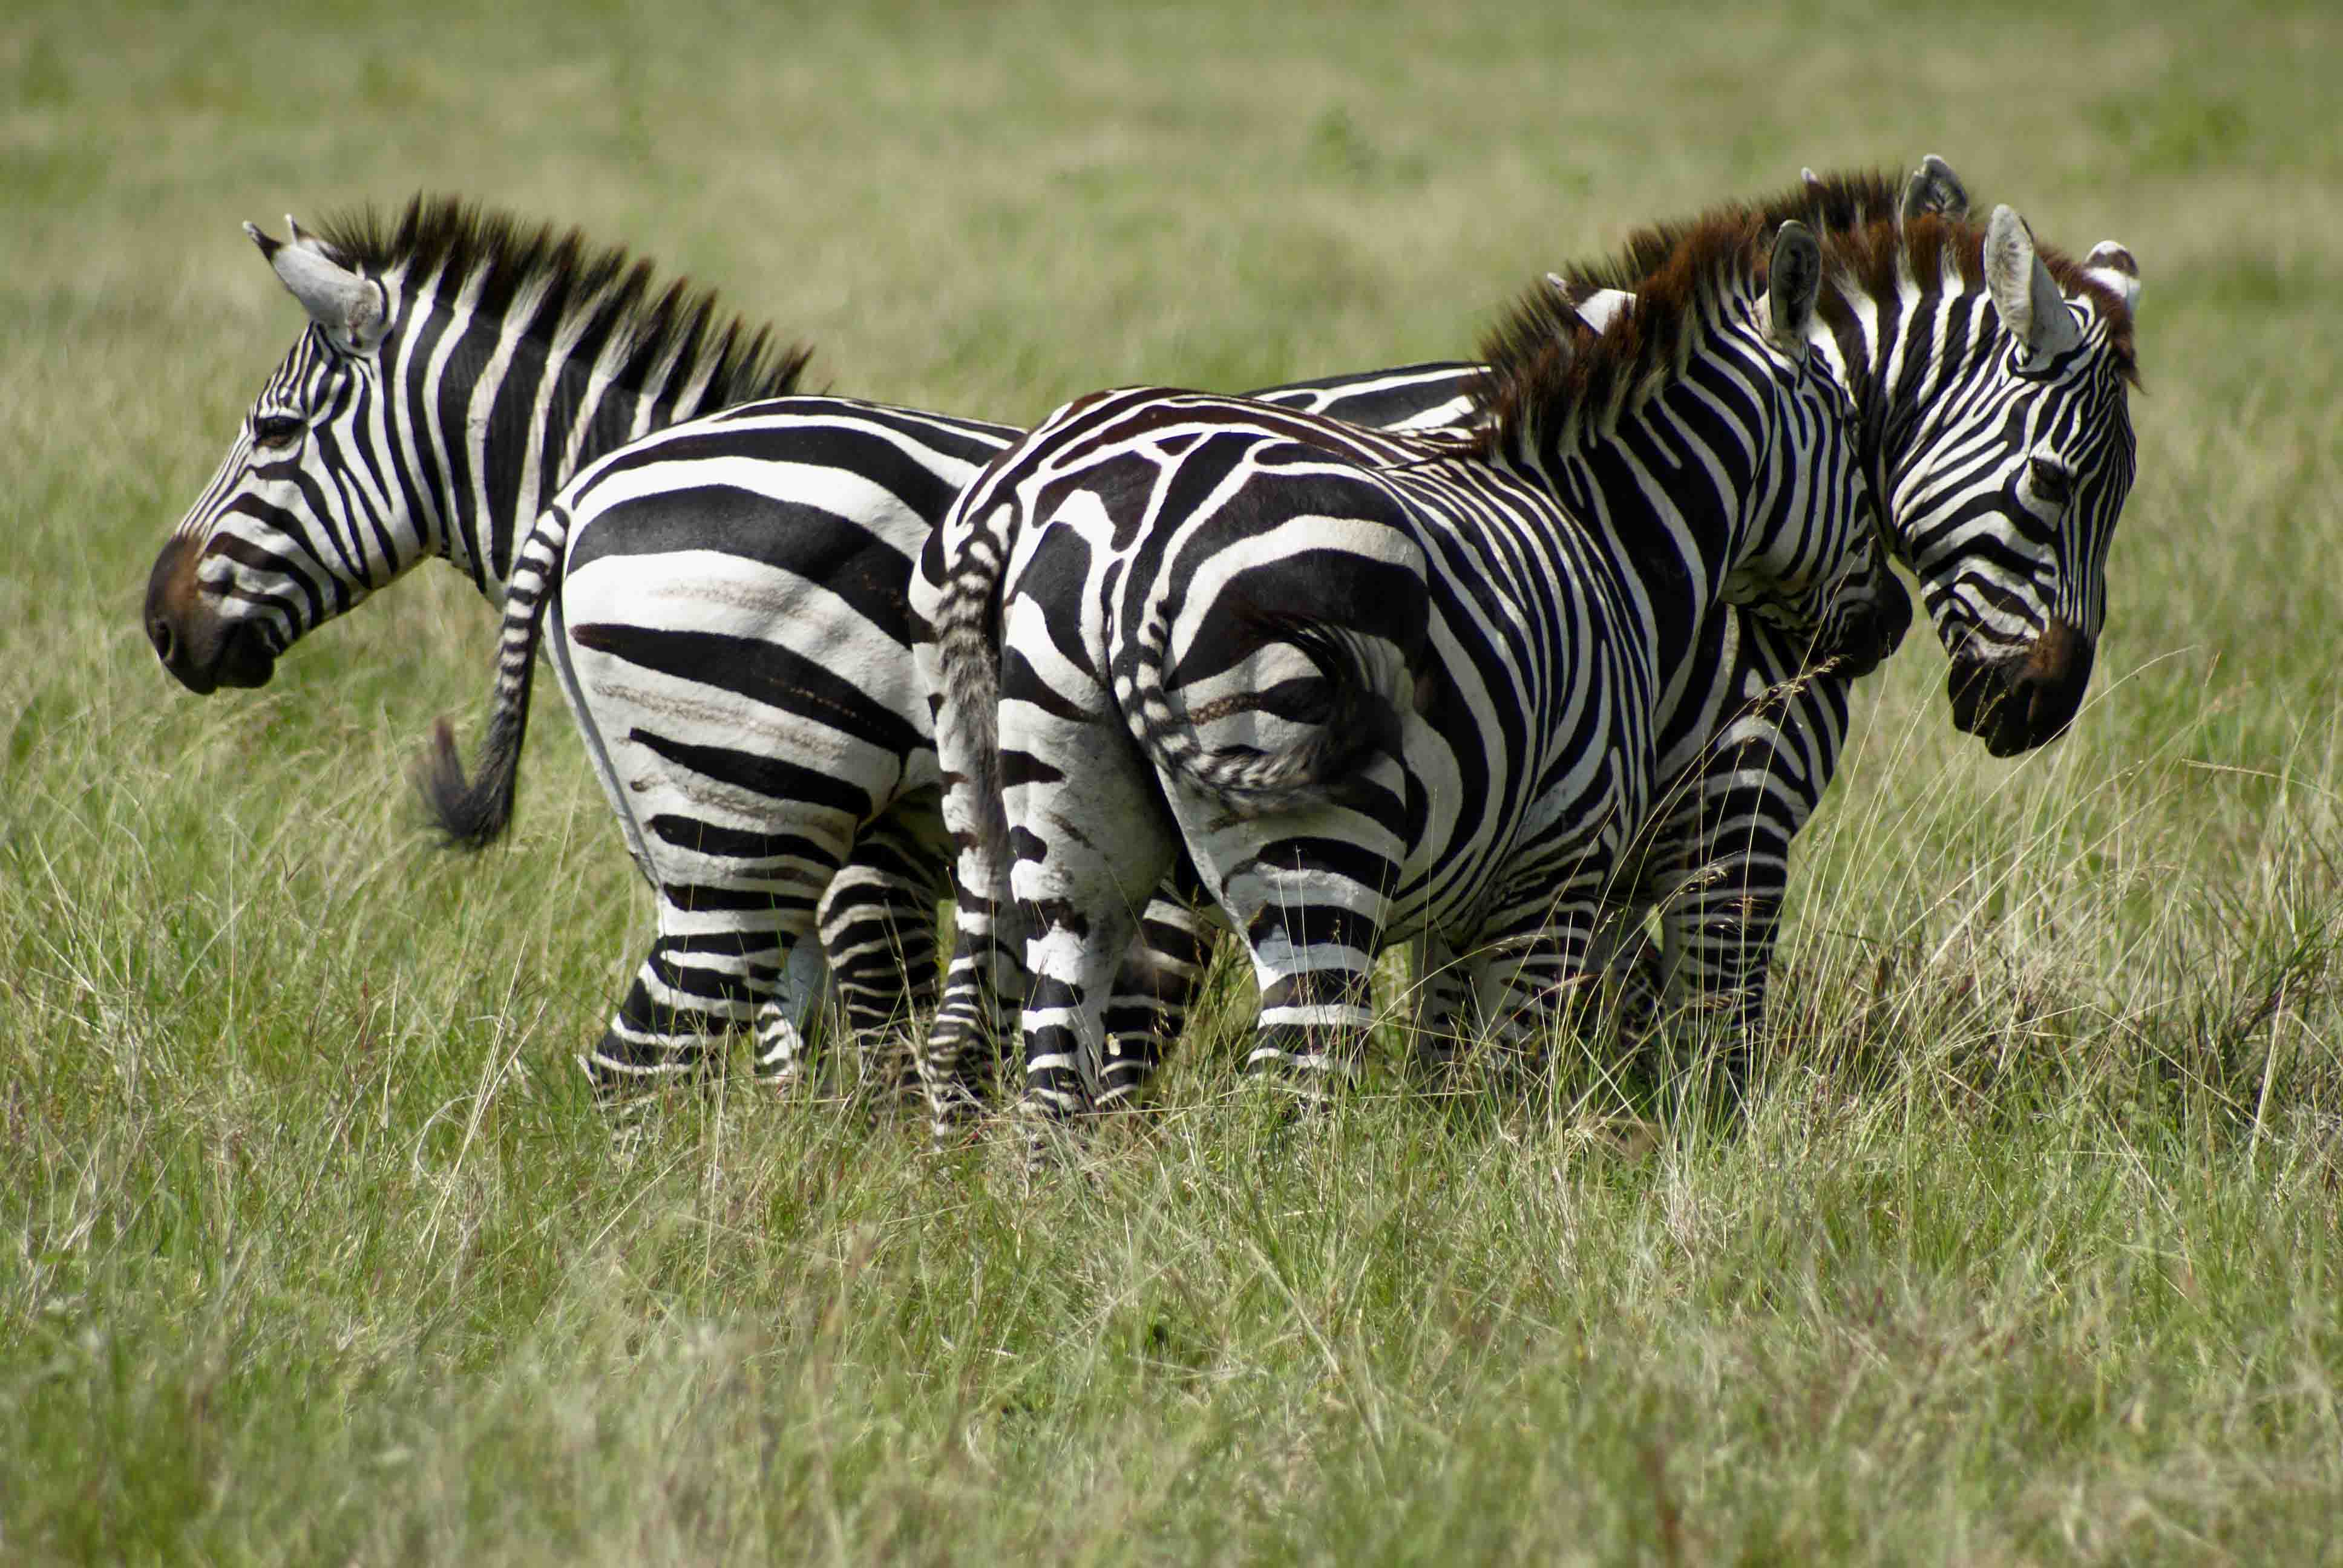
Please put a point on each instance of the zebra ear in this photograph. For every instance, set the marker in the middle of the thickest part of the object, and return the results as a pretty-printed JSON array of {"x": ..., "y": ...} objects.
[
  {"x": 2023, "y": 289},
  {"x": 1933, "y": 189},
  {"x": 1794, "y": 281},
  {"x": 296, "y": 235},
  {"x": 347, "y": 306},
  {"x": 2113, "y": 265},
  {"x": 1596, "y": 308}
]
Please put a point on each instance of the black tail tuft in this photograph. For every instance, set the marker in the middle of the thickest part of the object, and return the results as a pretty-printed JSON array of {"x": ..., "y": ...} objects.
[
  {"x": 474, "y": 812},
  {"x": 470, "y": 813}
]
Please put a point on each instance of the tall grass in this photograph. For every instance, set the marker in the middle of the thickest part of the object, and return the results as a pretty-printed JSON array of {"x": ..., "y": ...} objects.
[{"x": 314, "y": 1249}]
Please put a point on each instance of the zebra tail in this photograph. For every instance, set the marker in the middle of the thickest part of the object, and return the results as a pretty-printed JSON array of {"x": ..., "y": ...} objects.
[
  {"x": 1359, "y": 719},
  {"x": 472, "y": 811},
  {"x": 970, "y": 663}
]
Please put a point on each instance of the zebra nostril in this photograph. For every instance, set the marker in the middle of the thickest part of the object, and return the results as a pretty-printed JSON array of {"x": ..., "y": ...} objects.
[{"x": 158, "y": 632}]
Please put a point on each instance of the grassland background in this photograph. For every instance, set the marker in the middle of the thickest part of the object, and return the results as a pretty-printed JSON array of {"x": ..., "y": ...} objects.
[{"x": 311, "y": 1249}]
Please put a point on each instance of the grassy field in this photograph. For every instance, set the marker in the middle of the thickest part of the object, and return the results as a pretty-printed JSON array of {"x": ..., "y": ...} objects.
[{"x": 312, "y": 1249}]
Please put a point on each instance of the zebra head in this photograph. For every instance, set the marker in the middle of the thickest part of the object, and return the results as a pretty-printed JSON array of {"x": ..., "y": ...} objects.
[
  {"x": 287, "y": 534},
  {"x": 458, "y": 367},
  {"x": 2005, "y": 494}
]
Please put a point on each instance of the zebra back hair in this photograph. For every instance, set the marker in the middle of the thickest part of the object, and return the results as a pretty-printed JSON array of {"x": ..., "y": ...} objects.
[
  {"x": 1868, "y": 249},
  {"x": 559, "y": 276},
  {"x": 1548, "y": 375}
]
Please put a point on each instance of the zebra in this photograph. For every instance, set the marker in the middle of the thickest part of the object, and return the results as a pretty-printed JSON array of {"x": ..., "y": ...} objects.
[
  {"x": 458, "y": 369},
  {"x": 1374, "y": 685},
  {"x": 727, "y": 601},
  {"x": 883, "y": 898},
  {"x": 1990, "y": 379},
  {"x": 455, "y": 368}
]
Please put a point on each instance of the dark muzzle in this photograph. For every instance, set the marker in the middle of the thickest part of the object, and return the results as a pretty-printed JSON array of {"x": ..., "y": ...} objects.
[
  {"x": 2024, "y": 699},
  {"x": 202, "y": 650}
]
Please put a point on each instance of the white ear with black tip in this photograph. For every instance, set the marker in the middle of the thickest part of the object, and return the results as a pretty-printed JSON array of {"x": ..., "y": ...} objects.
[
  {"x": 1598, "y": 309},
  {"x": 347, "y": 306},
  {"x": 1794, "y": 283},
  {"x": 2024, "y": 291},
  {"x": 298, "y": 235},
  {"x": 2113, "y": 264},
  {"x": 1933, "y": 189}
]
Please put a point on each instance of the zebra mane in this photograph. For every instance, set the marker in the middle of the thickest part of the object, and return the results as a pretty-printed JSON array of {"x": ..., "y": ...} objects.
[
  {"x": 1548, "y": 374},
  {"x": 1865, "y": 250},
  {"x": 570, "y": 286}
]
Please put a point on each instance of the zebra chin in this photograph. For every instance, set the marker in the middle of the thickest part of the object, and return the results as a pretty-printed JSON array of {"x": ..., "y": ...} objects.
[
  {"x": 1865, "y": 638},
  {"x": 2022, "y": 699},
  {"x": 203, "y": 651}
]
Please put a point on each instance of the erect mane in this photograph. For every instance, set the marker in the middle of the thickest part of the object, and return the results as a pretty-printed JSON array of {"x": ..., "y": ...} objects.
[
  {"x": 1865, "y": 249},
  {"x": 570, "y": 284},
  {"x": 1548, "y": 373}
]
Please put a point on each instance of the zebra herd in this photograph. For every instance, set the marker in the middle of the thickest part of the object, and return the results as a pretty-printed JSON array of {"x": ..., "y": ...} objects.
[{"x": 1505, "y": 658}]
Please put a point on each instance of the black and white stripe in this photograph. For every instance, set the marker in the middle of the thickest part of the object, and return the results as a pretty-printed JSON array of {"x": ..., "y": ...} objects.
[
  {"x": 1374, "y": 686},
  {"x": 2001, "y": 449},
  {"x": 724, "y": 601}
]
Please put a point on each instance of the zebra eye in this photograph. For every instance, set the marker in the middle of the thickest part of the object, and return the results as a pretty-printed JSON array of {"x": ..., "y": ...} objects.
[
  {"x": 275, "y": 430},
  {"x": 2051, "y": 482}
]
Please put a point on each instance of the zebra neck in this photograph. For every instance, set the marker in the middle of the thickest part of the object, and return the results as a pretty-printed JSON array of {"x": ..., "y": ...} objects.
[
  {"x": 1897, "y": 359},
  {"x": 1669, "y": 505},
  {"x": 512, "y": 420}
]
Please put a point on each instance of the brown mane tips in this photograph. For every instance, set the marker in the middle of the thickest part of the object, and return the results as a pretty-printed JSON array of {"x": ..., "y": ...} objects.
[{"x": 1548, "y": 371}]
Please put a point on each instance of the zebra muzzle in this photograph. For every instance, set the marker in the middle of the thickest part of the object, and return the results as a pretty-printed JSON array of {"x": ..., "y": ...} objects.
[
  {"x": 2023, "y": 700},
  {"x": 203, "y": 649}
]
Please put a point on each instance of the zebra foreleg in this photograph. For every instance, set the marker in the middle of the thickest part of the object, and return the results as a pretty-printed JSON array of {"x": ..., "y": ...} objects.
[{"x": 1440, "y": 1007}]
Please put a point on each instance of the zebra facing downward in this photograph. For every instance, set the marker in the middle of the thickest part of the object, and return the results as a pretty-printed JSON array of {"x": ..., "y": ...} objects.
[
  {"x": 1990, "y": 378},
  {"x": 1374, "y": 686}
]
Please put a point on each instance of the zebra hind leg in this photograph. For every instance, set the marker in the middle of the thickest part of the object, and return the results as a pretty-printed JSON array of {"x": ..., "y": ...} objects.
[
  {"x": 1152, "y": 992},
  {"x": 877, "y": 924},
  {"x": 659, "y": 1035}
]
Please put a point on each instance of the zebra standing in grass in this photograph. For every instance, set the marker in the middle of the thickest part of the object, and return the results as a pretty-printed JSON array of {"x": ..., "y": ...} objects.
[
  {"x": 457, "y": 369},
  {"x": 1375, "y": 686},
  {"x": 2000, "y": 444},
  {"x": 727, "y": 601},
  {"x": 1989, "y": 379}
]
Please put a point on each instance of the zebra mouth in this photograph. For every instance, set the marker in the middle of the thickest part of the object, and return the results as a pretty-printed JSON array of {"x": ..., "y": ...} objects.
[
  {"x": 2023, "y": 699},
  {"x": 202, "y": 651},
  {"x": 247, "y": 656}
]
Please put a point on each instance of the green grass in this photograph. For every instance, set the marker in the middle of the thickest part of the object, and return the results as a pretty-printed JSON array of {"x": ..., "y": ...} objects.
[{"x": 313, "y": 1249}]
